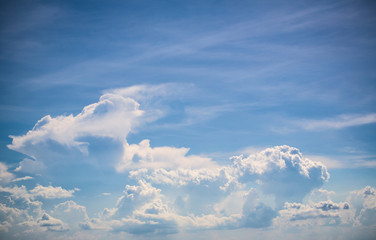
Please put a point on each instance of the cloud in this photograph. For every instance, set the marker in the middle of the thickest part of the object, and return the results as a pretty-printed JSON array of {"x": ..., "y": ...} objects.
[
  {"x": 51, "y": 192},
  {"x": 8, "y": 216},
  {"x": 166, "y": 200},
  {"x": 346, "y": 161},
  {"x": 22, "y": 179},
  {"x": 143, "y": 156},
  {"x": 5, "y": 176},
  {"x": 56, "y": 140},
  {"x": 71, "y": 213},
  {"x": 255, "y": 213},
  {"x": 187, "y": 176},
  {"x": 341, "y": 121},
  {"x": 113, "y": 116},
  {"x": 282, "y": 171},
  {"x": 357, "y": 214},
  {"x": 52, "y": 224},
  {"x": 364, "y": 201},
  {"x": 30, "y": 166},
  {"x": 39, "y": 192},
  {"x": 322, "y": 213}
]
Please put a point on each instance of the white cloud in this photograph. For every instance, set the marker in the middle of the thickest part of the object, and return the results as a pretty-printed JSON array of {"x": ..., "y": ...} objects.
[
  {"x": 364, "y": 202},
  {"x": 19, "y": 193},
  {"x": 184, "y": 176},
  {"x": 143, "y": 156},
  {"x": 328, "y": 161},
  {"x": 113, "y": 116},
  {"x": 22, "y": 179},
  {"x": 5, "y": 176},
  {"x": 11, "y": 215},
  {"x": 315, "y": 214},
  {"x": 51, "y": 192},
  {"x": 282, "y": 171},
  {"x": 320, "y": 194},
  {"x": 338, "y": 122},
  {"x": 255, "y": 213},
  {"x": 71, "y": 213},
  {"x": 165, "y": 200},
  {"x": 52, "y": 224},
  {"x": 30, "y": 166},
  {"x": 39, "y": 192}
]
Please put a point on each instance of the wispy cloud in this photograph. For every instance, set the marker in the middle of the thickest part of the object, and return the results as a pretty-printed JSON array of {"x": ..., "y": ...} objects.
[
  {"x": 22, "y": 179},
  {"x": 339, "y": 122},
  {"x": 346, "y": 161}
]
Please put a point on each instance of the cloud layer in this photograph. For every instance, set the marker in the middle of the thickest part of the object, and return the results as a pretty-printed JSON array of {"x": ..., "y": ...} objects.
[{"x": 166, "y": 189}]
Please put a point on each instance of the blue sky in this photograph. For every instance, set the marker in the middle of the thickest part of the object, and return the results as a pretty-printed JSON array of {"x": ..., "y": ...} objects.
[{"x": 187, "y": 119}]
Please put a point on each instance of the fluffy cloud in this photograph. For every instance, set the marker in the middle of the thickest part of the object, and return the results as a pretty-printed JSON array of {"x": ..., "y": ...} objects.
[
  {"x": 52, "y": 224},
  {"x": 117, "y": 113},
  {"x": 5, "y": 176},
  {"x": 51, "y": 192},
  {"x": 143, "y": 156},
  {"x": 186, "y": 176},
  {"x": 113, "y": 116},
  {"x": 8, "y": 216},
  {"x": 255, "y": 213},
  {"x": 283, "y": 172},
  {"x": 39, "y": 192},
  {"x": 141, "y": 210},
  {"x": 70, "y": 212},
  {"x": 169, "y": 190},
  {"x": 364, "y": 201},
  {"x": 322, "y": 213}
]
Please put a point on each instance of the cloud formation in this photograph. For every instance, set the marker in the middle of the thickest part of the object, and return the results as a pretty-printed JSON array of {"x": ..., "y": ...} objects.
[
  {"x": 283, "y": 172},
  {"x": 5, "y": 175},
  {"x": 166, "y": 189},
  {"x": 338, "y": 122},
  {"x": 113, "y": 117},
  {"x": 166, "y": 200}
]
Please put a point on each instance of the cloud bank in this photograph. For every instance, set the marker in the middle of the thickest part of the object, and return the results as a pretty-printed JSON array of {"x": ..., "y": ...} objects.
[{"x": 166, "y": 189}]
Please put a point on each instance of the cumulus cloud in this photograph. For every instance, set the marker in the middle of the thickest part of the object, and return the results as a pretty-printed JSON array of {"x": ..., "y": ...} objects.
[
  {"x": 282, "y": 171},
  {"x": 52, "y": 224},
  {"x": 186, "y": 198},
  {"x": 71, "y": 213},
  {"x": 364, "y": 201},
  {"x": 143, "y": 156},
  {"x": 39, "y": 192},
  {"x": 165, "y": 201},
  {"x": 255, "y": 213},
  {"x": 5, "y": 176},
  {"x": 170, "y": 190},
  {"x": 117, "y": 113},
  {"x": 51, "y": 192},
  {"x": 186, "y": 176},
  {"x": 113, "y": 116},
  {"x": 8, "y": 216},
  {"x": 322, "y": 213}
]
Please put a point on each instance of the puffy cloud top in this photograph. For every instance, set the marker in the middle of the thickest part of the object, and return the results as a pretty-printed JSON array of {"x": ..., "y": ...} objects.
[
  {"x": 277, "y": 159},
  {"x": 113, "y": 116},
  {"x": 283, "y": 172}
]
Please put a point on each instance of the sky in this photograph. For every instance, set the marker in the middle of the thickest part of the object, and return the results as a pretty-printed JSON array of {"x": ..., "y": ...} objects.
[{"x": 187, "y": 119}]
